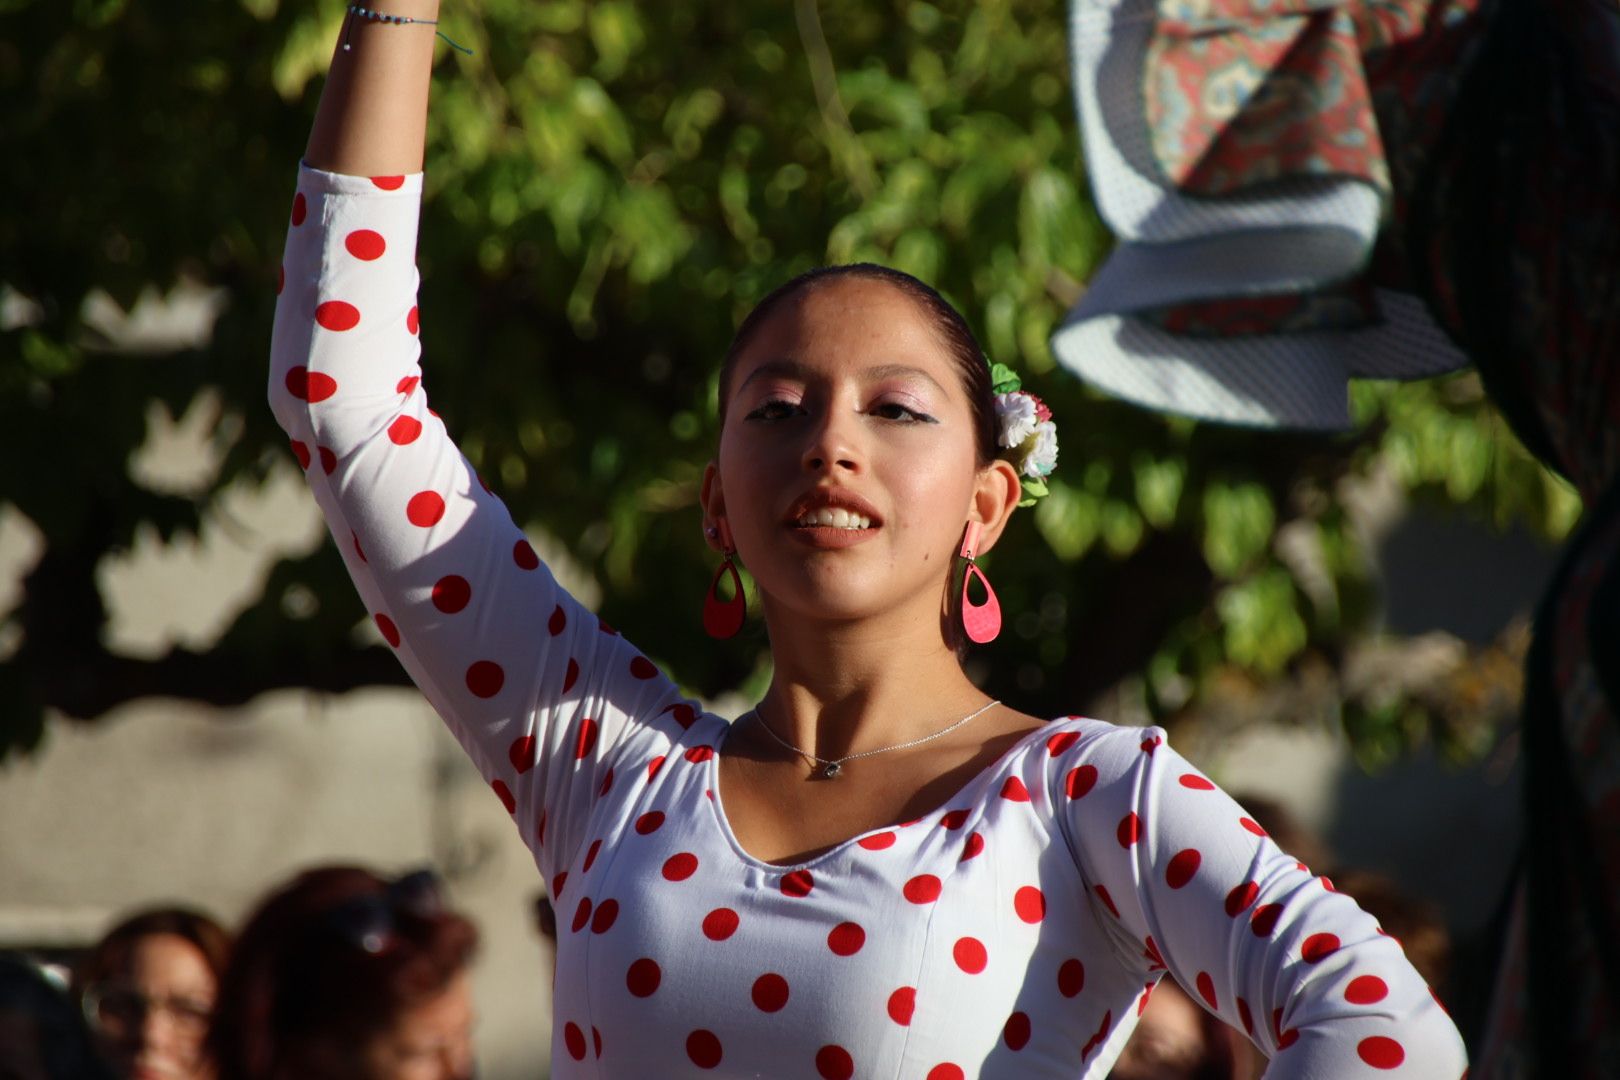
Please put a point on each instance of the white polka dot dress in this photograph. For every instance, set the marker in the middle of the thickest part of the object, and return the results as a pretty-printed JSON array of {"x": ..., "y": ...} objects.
[{"x": 1016, "y": 931}]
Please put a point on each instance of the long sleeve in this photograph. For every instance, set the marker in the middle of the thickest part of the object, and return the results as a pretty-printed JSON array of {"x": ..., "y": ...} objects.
[
  {"x": 1195, "y": 888},
  {"x": 544, "y": 697}
]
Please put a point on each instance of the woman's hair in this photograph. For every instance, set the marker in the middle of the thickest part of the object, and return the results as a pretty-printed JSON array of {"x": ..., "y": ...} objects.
[
  {"x": 111, "y": 954},
  {"x": 41, "y": 1029},
  {"x": 329, "y": 960},
  {"x": 948, "y": 325}
]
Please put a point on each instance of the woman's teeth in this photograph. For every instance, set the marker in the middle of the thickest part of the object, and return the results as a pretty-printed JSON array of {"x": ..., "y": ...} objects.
[{"x": 835, "y": 516}]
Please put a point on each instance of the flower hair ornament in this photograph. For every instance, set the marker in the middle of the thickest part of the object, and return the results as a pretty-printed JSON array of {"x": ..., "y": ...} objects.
[{"x": 1025, "y": 433}]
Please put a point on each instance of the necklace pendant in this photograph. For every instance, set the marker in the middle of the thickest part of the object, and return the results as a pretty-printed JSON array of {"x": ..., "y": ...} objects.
[{"x": 831, "y": 770}]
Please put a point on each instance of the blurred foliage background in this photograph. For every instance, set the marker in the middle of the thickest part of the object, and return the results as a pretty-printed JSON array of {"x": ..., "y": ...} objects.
[{"x": 611, "y": 185}]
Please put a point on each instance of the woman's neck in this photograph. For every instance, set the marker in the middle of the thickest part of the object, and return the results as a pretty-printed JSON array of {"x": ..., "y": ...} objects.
[{"x": 848, "y": 687}]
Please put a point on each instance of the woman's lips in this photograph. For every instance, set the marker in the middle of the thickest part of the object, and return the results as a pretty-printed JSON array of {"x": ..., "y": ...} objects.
[{"x": 830, "y": 536}]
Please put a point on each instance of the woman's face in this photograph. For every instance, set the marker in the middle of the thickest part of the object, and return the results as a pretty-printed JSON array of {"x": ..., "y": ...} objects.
[
  {"x": 430, "y": 1041},
  {"x": 150, "y": 1017},
  {"x": 847, "y": 464}
]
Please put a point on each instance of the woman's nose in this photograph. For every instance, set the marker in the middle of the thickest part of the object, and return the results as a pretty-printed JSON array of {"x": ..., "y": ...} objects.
[{"x": 833, "y": 445}]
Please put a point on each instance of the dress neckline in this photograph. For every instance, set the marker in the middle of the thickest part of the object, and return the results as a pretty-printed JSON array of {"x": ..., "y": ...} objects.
[{"x": 717, "y": 805}]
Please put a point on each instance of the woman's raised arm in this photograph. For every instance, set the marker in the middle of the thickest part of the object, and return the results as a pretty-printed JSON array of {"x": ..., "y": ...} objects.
[{"x": 372, "y": 119}]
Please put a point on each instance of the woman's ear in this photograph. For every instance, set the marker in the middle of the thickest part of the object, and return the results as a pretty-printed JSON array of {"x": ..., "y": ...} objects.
[
  {"x": 713, "y": 500},
  {"x": 995, "y": 496}
]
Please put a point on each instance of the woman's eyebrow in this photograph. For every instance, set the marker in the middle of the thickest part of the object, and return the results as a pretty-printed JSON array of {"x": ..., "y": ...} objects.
[{"x": 793, "y": 369}]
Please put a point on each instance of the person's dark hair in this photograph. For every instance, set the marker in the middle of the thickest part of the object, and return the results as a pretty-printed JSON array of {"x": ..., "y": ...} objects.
[
  {"x": 948, "y": 324},
  {"x": 111, "y": 954},
  {"x": 41, "y": 1029},
  {"x": 307, "y": 975}
]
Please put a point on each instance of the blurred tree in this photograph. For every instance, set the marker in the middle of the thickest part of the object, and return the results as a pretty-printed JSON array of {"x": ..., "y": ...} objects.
[{"x": 611, "y": 186}]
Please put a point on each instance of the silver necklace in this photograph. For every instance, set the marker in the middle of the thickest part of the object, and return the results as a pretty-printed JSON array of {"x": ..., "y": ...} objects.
[{"x": 830, "y": 768}]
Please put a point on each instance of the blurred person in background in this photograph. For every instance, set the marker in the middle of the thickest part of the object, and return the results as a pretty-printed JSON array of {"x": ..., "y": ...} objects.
[
  {"x": 42, "y": 1035},
  {"x": 344, "y": 975},
  {"x": 1177, "y": 1040},
  {"x": 147, "y": 989}
]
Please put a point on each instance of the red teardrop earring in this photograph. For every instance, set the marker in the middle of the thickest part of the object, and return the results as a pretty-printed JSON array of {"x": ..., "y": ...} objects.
[
  {"x": 723, "y": 618},
  {"x": 982, "y": 622}
]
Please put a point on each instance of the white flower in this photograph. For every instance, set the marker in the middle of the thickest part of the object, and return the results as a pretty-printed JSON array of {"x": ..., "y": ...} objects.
[
  {"x": 1015, "y": 415},
  {"x": 1042, "y": 457}
]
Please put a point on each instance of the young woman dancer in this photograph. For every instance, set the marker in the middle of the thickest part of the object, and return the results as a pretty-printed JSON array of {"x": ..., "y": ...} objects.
[{"x": 877, "y": 871}]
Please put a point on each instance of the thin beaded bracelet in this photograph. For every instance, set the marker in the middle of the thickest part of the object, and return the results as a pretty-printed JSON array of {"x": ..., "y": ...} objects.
[{"x": 395, "y": 20}]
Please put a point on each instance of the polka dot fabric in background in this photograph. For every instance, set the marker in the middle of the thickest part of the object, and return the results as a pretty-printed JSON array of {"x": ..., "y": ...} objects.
[{"x": 1016, "y": 931}]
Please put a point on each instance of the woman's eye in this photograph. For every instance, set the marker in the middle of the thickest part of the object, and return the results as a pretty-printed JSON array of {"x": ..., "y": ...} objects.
[
  {"x": 893, "y": 410},
  {"x": 773, "y": 410}
]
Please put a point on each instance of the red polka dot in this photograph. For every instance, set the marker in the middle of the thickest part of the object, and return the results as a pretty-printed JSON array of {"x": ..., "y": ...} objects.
[
  {"x": 585, "y": 741},
  {"x": 1030, "y": 904},
  {"x": 922, "y": 889},
  {"x": 846, "y": 939},
  {"x": 770, "y": 992},
  {"x": 407, "y": 384},
  {"x": 1239, "y": 899},
  {"x": 1252, "y": 825},
  {"x": 504, "y": 793},
  {"x": 601, "y": 624},
  {"x": 300, "y": 209},
  {"x": 337, "y": 315},
  {"x": 1071, "y": 977},
  {"x": 606, "y": 913},
  {"x": 1079, "y": 781},
  {"x": 972, "y": 846},
  {"x": 485, "y": 678},
  {"x": 1265, "y": 919},
  {"x": 703, "y": 1047},
  {"x": 699, "y": 754},
  {"x": 413, "y": 320},
  {"x": 1129, "y": 831},
  {"x": 557, "y": 884},
  {"x": 1285, "y": 1039},
  {"x": 301, "y": 452},
  {"x": 404, "y": 430},
  {"x": 902, "y": 1004},
  {"x": 970, "y": 955},
  {"x": 680, "y": 866},
  {"x": 1366, "y": 990},
  {"x": 607, "y": 783},
  {"x": 540, "y": 831},
  {"x": 390, "y": 632},
  {"x": 596, "y": 1038},
  {"x": 582, "y": 914},
  {"x": 954, "y": 819},
  {"x": 570, "y": 675},
  {"x": 684, "y": 715},
  {"x": 1196, "y": 782},
  {"x": 798, "y": 883},
  {"x": 1142, "y": 1002},
  {"x": 650, "y": 822},
  {"x": 834, "y": 1063},
  {"x": 359, "y": 551},
  {"x": 720, "y": 924},
  {"x": 653, "y": 766},
  {"x": 643, "y": 668},
  {"x": 1061, "y": 742},
  {"x": 1015, "y": 1033},
  {"x": 328, "y": 459},
  {"x": 1327, "y": 883},
  {"x": 946, "y": 1071},
  {"x": 389, "y": 183},
  {"x": 1381, "y": 1052},
  {"x": 877, "y": 841},
  {"x": 1319, "y": 947},
  {"x": 1108, "y": 901},
  {"x": 425, "y": 509},
  {"x": 590, "y": 855},
  {"x": 1206, "y": 989},
  {"x": 643, "y": 977},
  {"x": 451, "y": 593},
  {"x": 574, "y": 1039},
  {"x": 1014, "y": 790},
  {"x": 521, "y": 753},
  {"x": 1150, "y": 745},
  {"x": 310, "y": 386},
  {"x": 1182, "y": 868},
  {"x": 365, "y": 244},
  {"x": 1245, "y": 1016}
]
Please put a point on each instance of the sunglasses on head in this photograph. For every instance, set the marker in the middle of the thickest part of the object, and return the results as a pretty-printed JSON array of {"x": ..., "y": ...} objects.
[{"x": 371, "y": 923}]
